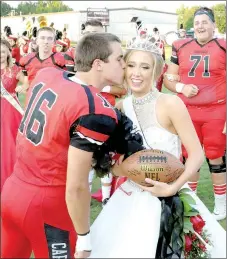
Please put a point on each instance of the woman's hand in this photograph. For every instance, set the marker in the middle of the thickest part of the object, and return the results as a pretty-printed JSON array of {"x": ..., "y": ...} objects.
[
  {"x": 115, "y": 169},
  {"x": 159, "y": 189}
]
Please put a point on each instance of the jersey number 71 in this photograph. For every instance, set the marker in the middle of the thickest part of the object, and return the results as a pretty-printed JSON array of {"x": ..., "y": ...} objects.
[
  {"x": 197, "y": 59},
  {"x": 37, "y": 116}
]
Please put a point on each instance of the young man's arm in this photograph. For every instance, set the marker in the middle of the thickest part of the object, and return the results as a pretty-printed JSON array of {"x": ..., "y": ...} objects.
[
  {"x": 77, "y": 188},
  {"x": 78, "y": 197}
]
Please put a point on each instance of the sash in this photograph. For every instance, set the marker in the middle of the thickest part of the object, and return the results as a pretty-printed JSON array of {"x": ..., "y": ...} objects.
[{"x": 130, "y": 112}]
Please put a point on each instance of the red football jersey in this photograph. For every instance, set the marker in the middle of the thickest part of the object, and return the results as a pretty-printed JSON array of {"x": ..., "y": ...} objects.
[
  {"x": 16, "y": 54},
  {"x": 109, "y": 97},
  {"x": 203, "y": 66},
  {"x": 71, "y": 52},
  {"x": 60, "y": 112},
  {"x": 32, "y": 63},
  {"x": 67, "y": 40}
]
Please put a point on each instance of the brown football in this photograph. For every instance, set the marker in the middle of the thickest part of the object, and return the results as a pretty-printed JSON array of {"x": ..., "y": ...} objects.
[{"x": 154, "y": 164}]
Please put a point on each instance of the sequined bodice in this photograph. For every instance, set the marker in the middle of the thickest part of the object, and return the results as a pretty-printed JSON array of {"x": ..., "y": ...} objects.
[
  {"x": 142, "y": 111},
  {"x": 9, "y": 79}
]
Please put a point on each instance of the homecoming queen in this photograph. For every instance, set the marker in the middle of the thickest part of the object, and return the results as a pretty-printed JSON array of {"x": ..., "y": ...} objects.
[{"x": 131, "y": 224}]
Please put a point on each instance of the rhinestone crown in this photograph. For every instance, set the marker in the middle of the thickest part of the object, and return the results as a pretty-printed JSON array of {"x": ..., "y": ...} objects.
[{"x": 150, "y": 44}]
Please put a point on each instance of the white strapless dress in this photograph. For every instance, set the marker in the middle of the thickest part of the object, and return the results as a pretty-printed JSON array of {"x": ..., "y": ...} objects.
[{"x": 128, "y": 226}]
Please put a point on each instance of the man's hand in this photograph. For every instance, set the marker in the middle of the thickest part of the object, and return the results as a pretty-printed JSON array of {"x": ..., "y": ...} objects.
[
  {"x": 82, "y": 254},
  {"x": 159, "y": 189},
  {"x": 224, "y": 130},
  {"x": 190, "y": 90}
]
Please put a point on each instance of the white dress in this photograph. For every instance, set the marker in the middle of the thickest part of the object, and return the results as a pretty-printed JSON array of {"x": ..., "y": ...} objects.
[{"x": 128, "y": 226}]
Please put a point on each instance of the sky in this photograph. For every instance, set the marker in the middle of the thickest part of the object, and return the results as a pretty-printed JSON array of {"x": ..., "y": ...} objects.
[{"x": 165, "y": 6}]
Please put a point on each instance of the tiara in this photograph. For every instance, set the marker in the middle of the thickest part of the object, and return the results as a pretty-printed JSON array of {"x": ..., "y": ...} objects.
[{"x": 149, "y": 44}]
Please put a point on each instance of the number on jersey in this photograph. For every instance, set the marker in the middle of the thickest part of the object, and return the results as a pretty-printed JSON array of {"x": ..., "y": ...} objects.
[
  {"x": 197, "y": 59},
  {"x": 37, "y": 116}
]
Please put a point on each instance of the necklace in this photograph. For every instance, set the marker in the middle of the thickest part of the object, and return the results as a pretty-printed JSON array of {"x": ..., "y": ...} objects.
[{"x": 139, "y": 104}]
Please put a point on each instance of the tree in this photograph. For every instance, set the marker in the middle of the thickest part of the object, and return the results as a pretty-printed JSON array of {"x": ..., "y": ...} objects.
[
  {"x": 186, "y": 16},
  {"x": 5, "y": 9},
  {"x": 31, "y": 7},
  {"x": 26, "y": 8},
  {"x": 52, "y": 7},
  {"x": 220, "y": 17}
]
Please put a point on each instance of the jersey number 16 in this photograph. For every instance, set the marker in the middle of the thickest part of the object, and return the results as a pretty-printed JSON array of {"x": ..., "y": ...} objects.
[{"x": 37, "y": 116}]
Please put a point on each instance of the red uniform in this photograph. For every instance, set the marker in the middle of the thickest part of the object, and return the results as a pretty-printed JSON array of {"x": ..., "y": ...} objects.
[
  {"x": 16, "y": 54},
  {"x": 10, "y": 121},
  {"x": 60, "y": 113},
  {"x": 67, "y": 40},
  {"x": 109, "y": 97},
  {"x": 71, "y": 52},
  {"x": 32, "y": 63},
  {"x": 205, "y": 67}
]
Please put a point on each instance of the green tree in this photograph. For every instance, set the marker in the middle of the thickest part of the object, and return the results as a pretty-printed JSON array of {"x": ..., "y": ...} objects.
[
  {"x": 52, "y": 7},
  {"x": 186, "y": 15},
  {"x": 220, "y": 17},
  {"x": 5, "y": 9},
  {"x": 31, "y": 7},
  {"x": 26, "y": 8}
]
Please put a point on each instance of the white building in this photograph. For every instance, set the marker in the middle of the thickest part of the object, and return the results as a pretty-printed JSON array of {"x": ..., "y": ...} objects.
[{"x": 119, "y": 21}]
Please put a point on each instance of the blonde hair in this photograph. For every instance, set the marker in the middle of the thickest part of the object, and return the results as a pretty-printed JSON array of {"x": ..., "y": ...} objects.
[
  {"x": 158, "y": 64},
  {"x": 9, "y": 55}
]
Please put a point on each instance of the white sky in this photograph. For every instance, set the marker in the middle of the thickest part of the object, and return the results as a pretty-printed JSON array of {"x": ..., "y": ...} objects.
[{"x": 166, "y": 6}]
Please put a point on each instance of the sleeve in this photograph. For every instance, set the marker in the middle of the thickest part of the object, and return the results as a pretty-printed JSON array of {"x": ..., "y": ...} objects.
[
  {"x": 174, "y": 56},
  {"x": 17, "y": 69},
  {"x": 69, "y": 62},
  {"x": 59, "y": 59},
  {"x": 22, "y": 63},
  {"x": 90, "y": 131}
]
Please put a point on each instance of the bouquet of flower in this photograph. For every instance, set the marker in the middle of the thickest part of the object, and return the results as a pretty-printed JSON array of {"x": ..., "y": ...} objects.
[{"x": 196, "y": 239}]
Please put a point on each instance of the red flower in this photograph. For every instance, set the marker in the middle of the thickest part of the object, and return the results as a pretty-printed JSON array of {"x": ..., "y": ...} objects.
[
  {"x": 188, "y": 243},
  {"x": 202, "y": 247},
  {"x": 198, "y": 223},
  {"x": 194, "y": 237}
]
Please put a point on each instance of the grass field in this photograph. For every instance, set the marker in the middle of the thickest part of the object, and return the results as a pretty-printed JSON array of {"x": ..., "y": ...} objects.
[{"x": 205, "y": 190}]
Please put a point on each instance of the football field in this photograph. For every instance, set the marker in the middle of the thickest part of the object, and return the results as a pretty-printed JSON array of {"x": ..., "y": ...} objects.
[{"x": 205, "y": 190}]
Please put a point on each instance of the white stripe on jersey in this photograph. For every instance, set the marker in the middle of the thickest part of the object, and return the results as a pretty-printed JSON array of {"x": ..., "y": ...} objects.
[{"x": 89, "y": 139}]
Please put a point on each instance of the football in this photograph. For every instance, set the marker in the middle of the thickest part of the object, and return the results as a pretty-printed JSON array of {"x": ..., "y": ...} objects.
[{"x": 154, "y": 164}]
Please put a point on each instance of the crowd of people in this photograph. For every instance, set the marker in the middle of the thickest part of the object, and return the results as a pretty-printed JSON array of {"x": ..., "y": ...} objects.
[{"x": 73, "y": 127}]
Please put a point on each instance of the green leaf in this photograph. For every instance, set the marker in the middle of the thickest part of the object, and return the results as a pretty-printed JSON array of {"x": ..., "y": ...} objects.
[
  {"x": 188, "y": 225},
  {"x": 184, "y": 190},
  {"x": 187, "y": 198},
  {"x": 187, "y": 207},
  {"x": 191, "y": 212}
]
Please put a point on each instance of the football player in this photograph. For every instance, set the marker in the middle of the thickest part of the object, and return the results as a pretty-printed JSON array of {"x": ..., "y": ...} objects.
[
  {"x": 66, "y": 120},
  {"x": 44, "y": 57},
  {"x": 198, "y": 74}
]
